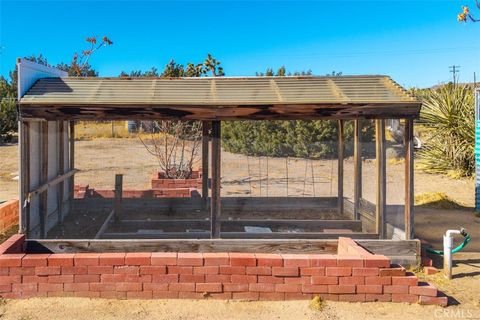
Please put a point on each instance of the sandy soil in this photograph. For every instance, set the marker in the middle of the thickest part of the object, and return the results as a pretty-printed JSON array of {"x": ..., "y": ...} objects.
[
  {"x": 463, "y": 292},
  {"x": 431, "y": 224}
]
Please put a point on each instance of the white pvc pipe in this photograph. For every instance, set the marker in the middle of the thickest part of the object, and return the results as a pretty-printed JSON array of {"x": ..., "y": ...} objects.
[{"x": 447, "y": 252}]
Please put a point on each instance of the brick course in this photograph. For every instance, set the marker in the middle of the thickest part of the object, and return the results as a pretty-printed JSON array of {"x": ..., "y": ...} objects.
[
  {"x": 355, "y": 276},
  {"x": 8, "y": 215}
]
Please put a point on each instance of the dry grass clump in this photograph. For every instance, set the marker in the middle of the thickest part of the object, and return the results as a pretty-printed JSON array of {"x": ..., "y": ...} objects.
[
  {"x": 317, "y": 303},
  {"x": 436, "y": 200},
  {"x": 89, "y": 130}
]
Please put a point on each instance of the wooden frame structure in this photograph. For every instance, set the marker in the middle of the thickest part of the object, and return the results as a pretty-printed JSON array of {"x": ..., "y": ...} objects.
[{"x": 48, "y": 99}]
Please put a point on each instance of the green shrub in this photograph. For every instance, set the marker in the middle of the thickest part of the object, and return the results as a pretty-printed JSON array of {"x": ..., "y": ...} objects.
[
  {"x": 8, "y": 119},
  {"x": 296, "y": 138},
  {"x": 449, "y": 115}
]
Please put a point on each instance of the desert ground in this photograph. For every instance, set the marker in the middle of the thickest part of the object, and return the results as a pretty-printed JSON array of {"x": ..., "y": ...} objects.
[{"x": 100, "y": 159}]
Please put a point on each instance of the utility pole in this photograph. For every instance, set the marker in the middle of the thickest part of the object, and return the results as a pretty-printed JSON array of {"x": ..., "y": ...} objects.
[{"x": 454, "y": 70}]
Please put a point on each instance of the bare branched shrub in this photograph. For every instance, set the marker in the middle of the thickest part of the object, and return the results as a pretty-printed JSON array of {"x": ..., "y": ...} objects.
[{"x": 175, "y": 145}]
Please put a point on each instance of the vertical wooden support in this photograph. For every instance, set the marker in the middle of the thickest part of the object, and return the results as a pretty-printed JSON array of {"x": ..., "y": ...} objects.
[
  {"x": 71, "y": 159},
  {"x": 44, "y": 179},
  {"x": 117, "y": 205},
  {"x": 61, "y": 168},
  {"x": 381, "y": 201},
  {"x": 24, "y": 203},
  {"x": 205, "y": 144},
  {"x": 357, "y": 168},
  {"x": 216, "y": 171},
  {"x": 341, "y": 148},
  {"x": 409, "y": 189}
]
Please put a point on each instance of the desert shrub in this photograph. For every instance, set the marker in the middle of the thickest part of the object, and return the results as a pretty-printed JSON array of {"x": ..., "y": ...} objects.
[
  {"x": 8, "y": 119},
  {"x": 175, "y": 144},
  {"x": 299, "y": 138},
  {"x": 448, "y": 113}
]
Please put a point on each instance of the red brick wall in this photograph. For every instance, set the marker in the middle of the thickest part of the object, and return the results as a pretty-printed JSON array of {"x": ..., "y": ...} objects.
[
  {"x": 8, "y": 215},
  {"x": 82, "y": 192},
  {"x": 352, "y": 275},
  {"x": 160, "y": 181}
]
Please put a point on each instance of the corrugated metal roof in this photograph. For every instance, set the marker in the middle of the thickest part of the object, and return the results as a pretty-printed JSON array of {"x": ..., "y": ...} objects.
[{"x": 218, "y": 91}]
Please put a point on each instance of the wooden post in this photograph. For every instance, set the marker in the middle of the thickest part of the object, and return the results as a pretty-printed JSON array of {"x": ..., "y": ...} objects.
[
  {"x": 61, "y": 169},
  {"x": 409, "y": 189},
  {"x": 44, "y": 178},
  {"x": 24, "y": 203},
  {"x": 117, "y": 206},
  {"x": 341, "y": 148},
  {"x": 381, "y": 203},
  {"x": 72, "y": 162},
  {"x": 205, "y": 143},
  {"x": 216, "y": 171},
  {"x": 357, "y": 169}
]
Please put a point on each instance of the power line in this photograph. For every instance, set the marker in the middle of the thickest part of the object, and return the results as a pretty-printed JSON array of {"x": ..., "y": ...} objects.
[{"x": 454, "y": 70}]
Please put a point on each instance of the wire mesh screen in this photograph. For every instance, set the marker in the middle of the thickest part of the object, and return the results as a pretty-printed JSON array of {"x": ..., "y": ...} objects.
[
  {"x": 395, "y": 167},
  {"x": 282, "y": 178},
  {"x": 280, "y": 159}
]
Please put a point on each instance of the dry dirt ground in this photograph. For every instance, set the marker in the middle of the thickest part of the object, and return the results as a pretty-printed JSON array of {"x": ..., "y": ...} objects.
[{"x": 463, "y": 292}]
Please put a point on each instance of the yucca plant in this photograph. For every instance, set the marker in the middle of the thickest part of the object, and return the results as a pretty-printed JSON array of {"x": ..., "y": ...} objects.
[{"x": 449, "y": 115}]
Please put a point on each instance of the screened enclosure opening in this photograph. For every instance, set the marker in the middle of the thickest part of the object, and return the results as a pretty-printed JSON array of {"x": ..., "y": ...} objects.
[
  {"x": 137, "y": 179},
  {"x": 395, "y": 186},
  {"x": 280, "y": 179},
  {"x": 145, "y": 179},
  {"x": 229, "y": 179}
]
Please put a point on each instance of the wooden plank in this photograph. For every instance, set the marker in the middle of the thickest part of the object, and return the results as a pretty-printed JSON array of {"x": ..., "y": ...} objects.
[
  {"x": 331, "y": 111},
  {"x": 197, "y": 223},
  {"x": 235, "y": 235},
  {"x": 295, "y": 235},
  {"x": 184, "y": 245},
  {"x": 341, "y": 148},
  {"x": 391, "y": 247},
  {"x": 405, "y": 252},
  {"x": 156, "y": 235},
  {"x": 367, "y": 208},
  {"x": 44, "y": 187},
  {"x": 228, "y": 204},
  {"x": 72, "y": 160},
  {"x": 216, "y": 175},
  {"x": 205, "y": 147},
  {"x": 43, "y": 205},
  {"x": 409, "y": 189},
  {"x": 105, "y": 225},
  {"x": 61, "y": 169},
  {"x": 357, "y": 167},
  {"x": 348, "y": 208},
  {"x": 381, "y": 196},
  {"x": 24, "y": 173},
  {"x": 117, "y": 205}
]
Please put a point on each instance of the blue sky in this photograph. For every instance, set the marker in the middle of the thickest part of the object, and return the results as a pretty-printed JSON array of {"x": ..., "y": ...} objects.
[{"x": 412, "y": 41}]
